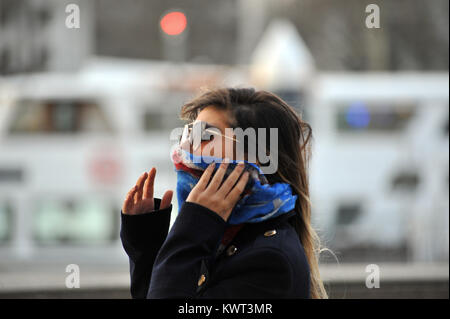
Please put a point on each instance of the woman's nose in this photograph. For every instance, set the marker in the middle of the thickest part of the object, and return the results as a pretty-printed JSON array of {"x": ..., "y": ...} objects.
[{"x": 187, "y": 146}]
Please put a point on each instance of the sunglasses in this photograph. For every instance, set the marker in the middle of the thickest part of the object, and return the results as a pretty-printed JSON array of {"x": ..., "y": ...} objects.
[{"x": 200, "y": 131}]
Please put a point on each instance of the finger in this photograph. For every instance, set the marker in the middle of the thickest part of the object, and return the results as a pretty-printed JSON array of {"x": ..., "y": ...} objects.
[
  {"x": 129, "y": 201},
  {"x": 132, "y": 190},
  {"x": 149, "y": 182},
  {"x": 140, "y": 185},
  {"x": 234, "y": 194},
  {"x": 204, "y": 179},
  {"x": 166, "y": 199},
  {"x": 218, "y": 177},
  {"x": 231, "y": 179}
]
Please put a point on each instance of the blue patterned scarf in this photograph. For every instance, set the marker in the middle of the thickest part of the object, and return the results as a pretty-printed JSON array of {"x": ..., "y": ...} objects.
[{"x": 260, "y": 200}]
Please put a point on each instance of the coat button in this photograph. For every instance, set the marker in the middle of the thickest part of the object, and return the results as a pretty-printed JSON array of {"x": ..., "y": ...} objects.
[
  {"x": 231, "y": 250},
  {"x": 201, "y": 280},
  {"x": 270, "y": 233}
]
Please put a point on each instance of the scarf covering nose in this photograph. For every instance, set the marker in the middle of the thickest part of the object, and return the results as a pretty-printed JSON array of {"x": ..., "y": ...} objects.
[{"x": 259, "y": 200}]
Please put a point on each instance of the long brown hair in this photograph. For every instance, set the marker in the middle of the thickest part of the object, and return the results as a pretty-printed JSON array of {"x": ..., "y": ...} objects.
[{"x": 262, "y": 109}]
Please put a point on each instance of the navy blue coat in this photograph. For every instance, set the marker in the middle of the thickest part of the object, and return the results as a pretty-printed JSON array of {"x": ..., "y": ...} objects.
[{"x": 263, "y": 260}]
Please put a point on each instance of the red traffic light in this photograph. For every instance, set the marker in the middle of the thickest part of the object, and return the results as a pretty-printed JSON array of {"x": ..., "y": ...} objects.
[{"x": 173, "y": 23}]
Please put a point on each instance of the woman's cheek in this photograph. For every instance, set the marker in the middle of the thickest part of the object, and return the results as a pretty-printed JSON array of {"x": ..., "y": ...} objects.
[{"x": 215, "y": 148}]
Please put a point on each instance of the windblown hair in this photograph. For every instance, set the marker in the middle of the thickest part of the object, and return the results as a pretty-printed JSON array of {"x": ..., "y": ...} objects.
[{"x": 261, "y": 109}]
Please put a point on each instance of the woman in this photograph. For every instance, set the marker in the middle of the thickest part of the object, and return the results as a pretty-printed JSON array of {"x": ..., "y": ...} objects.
[{"x": 220, "y": 245}]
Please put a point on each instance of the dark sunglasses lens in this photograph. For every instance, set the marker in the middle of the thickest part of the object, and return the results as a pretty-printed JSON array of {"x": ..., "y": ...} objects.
[{"x": 196, "y": 133}]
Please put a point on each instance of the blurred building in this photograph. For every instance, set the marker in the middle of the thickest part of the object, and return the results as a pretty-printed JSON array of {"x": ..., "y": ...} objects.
[{"x": 33, "y": 36}]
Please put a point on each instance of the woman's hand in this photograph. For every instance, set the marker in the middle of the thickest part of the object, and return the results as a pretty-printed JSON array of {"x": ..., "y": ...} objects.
[
  {"x": 140, "y": 198},
  {"x": 219, "y": 199}
]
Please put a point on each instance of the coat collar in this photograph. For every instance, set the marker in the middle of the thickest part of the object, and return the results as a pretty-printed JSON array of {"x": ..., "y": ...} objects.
[
  {"x": 241, "y": 232},
  {"x": 252, "y": 229}
]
